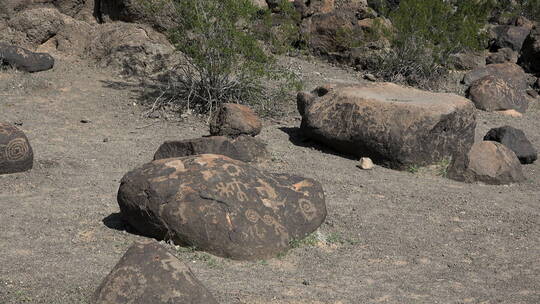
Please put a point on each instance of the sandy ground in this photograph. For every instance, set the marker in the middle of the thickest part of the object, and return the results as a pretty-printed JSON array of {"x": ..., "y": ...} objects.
[{"x": 390, "y": 237}]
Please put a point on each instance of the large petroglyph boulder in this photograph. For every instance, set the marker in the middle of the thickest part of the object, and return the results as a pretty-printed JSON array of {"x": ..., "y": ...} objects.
[
  {"x": 489, "y": 162},
  {"x": 512, "y": 73},
  {"x": 148, "y": 273},
  {"x": 393, "y": 125},
  {"x": 244, "y": 148},
  {"x": 15, "y": 151},
  {"x": 491, "y": 93},
  {"x": 221, "y": 205}
]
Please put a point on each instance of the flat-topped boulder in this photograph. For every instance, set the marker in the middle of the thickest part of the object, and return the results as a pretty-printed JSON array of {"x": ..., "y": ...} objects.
[
  {"x": 16, "y": 154},
  {"x": 244, "y": 148},
  {"x": 220, "y": 205},
  {"x": 149, "y": 273},
  {"x": 393, "y": 125}
]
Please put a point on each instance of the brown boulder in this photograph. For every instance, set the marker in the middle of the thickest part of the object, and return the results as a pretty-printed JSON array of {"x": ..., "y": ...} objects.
[
  {"x": 148, "y": 273},
  {"x": 161, "y": 16},
  {"x": 491, "y": 93},
  {"x": 488, "y": 162},
  {"x": 393, "y": 125},
  {"x": 234, "y": 119},
  {"x": 512, "y": 73},
  {"x": 221, "y": 205},
  {"x": 243, "y": 148},
  {"x": 502, "y": 56},
  {"x": 16, "y": 154}
]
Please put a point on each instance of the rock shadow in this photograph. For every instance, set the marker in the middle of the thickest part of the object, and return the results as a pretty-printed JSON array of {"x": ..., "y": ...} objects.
[
  {"x": 298, "y": 139},
  {"x": 116, "y": 222}
]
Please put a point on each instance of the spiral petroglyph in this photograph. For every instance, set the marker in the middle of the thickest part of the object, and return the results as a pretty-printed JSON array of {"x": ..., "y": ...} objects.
[
  {"x": 16, "y": 149},
  {"x": 252, "y": 215}
]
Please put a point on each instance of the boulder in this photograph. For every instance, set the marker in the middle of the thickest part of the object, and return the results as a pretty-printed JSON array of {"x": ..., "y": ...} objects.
[
  {"x": 502, "y": 56},
  {"x": 467, "y": 61},
  {"x": 133, "y": 49},
  {"x": 508, "y": 36},
  {"x": 491, "y": 93},
  {"x": 161, "y": 16},
  {"x": 25, "y": 60},
  {"x": 308, "y": 8},
  {"x": 516, "y": 141},
  {"x": 149, "y": 273},
  {"x": 16, "y": 154},
  {"x": 234, "y": 119},
  {"x": 530, "y": 52},
  {"x": 512, "y": 73},
  {"x": 489, "y": 162},
  {"x": 221, "y": 205},
  {"x": 395, "y": 126},
  {"x": 244, "y": 148}
]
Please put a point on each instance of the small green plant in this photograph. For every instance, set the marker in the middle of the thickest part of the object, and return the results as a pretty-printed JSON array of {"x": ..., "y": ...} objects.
[
  {"x": 310, "y": 240},
  {"x": 413, "y": 169},
  {"x": 442, "y": 167}
]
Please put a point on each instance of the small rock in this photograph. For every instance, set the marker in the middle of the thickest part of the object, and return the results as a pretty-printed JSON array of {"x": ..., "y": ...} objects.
[
  {"x": 365, "y": 163},
  {"x": 106, "y": 139},
  {"x": 370, "y": 77},
  {"x": 86, "y": 121},
  {"x": 511, "y": 113},
  {"x": 234, "y": 120}
]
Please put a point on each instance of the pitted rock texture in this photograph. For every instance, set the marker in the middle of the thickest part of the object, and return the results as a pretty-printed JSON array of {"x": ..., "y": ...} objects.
[
  {"x": 148, "y": 273},
  {"x": 221, "y": 205},
  {"x": 516, "y": 140},
  {"x": 393, "y": 125},
  {"x": 491, "y": 93},
  {"x": 489, "y": 162},
  {"x": 25, "y": 60},
  {"x": 16, "y": 154},
  {"x": 244, "y": 148},
  {"x": 512, "y": 73},
  {"x": 234, "y": 119}
]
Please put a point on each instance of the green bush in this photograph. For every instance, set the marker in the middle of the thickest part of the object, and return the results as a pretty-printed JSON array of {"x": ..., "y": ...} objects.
[
  {"x": 426, "y": 32},
  {"x": 224, "y": 61},
  {"x": 513, "y": 8}
]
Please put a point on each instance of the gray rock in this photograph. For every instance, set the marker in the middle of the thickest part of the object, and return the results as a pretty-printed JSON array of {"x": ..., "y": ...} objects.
[{"x": 516, "y": 141}]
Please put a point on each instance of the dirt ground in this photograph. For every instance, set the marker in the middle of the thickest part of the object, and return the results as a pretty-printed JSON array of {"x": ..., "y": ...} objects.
[{"x": 390, "y": 237}]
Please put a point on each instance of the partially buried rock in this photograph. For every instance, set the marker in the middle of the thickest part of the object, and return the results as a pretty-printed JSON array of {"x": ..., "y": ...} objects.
[
  {"x": 221, "y": 205},
  {"x": 148, "y": 273},
  {"x": 393, "y": 125},
  {"x": 234, "y": 120},
  {"x": 489, "y": 162},
  {"x": 491, "y": 93},
  {"x": 365, "y": 163},
  {"x": 25, "y": 60},
  {"x": 244, "y": 148},
  {"x": 16, "y": 154},
  {"x": 516, "y": 140}
]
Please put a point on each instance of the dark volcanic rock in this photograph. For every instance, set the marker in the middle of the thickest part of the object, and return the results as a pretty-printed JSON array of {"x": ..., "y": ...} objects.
[
  {"x": 516, "y": 140},
  {"x": 148, "y": 273},
  {"x": 512, "y": 73},
  {"x": 244, "y": 148},
  {"x": 395, "y": 126},
  {"x": 509, "y": 36},
  {"x": 502, "y": 56},
  {"x": 24, "y": 59},
  {"x": 221, "y": 205},
  {"x": 530, "y": 52},
  {"x": 234, "y": 119},
  {"x": 16, "y": 154},
  {"x": 489, "y": 162},
  {"x": 491, "y": 93}
]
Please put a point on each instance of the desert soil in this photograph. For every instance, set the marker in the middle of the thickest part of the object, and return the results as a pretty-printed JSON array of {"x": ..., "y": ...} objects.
[{"x": 390, "y": 237}]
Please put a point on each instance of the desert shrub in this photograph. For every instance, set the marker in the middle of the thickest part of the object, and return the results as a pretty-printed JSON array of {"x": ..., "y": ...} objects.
[
  {"x": 426, "y": 32},
  {"x": 223, "y": 60}
]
